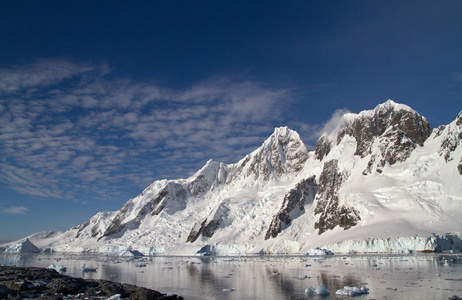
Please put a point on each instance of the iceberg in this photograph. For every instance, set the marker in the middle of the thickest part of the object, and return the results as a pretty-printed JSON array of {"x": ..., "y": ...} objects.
[
  {"x": 352, "y": 291},
  {"x": 59, "y": 268},
  {"x": 318, "y": 290},
  {"x": 22, "y": 247}
]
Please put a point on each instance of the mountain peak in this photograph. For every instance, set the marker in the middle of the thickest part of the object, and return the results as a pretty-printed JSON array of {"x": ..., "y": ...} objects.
[
  {"x": 281, "y": 199},
  {"x": 282, "y": 153},
  {"x": 284, "y": 135},
  {"x": 283, "y": 131},
  {"x": 396, "y": 126},
  {"x": 391, "y": 105}
]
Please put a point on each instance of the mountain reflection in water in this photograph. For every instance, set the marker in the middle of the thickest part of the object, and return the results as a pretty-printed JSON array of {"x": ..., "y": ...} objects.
[{"x": 268, "y": 277}]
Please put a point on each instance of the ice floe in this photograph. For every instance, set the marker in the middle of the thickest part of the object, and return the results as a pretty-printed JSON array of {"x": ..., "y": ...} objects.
[
  {"x": 59, "y": 268},
  {"x": 352, "y": 291},
  {"x": 318, "y": 290}
]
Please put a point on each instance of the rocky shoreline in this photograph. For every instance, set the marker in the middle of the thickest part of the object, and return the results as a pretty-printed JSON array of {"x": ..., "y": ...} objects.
[{"x": 42, "y": 283}]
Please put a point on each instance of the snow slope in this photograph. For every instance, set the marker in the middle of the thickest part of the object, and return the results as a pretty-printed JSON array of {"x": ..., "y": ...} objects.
[{"x": 382, "y": 181}]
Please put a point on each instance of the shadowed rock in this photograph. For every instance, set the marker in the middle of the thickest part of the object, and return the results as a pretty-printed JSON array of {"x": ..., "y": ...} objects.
[
  {"x": 328, "y": 206},
  {"x": 41, "y": 283}
]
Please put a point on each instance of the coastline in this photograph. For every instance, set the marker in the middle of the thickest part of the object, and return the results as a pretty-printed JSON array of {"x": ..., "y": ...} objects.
[{"x": 43, "y": 283}]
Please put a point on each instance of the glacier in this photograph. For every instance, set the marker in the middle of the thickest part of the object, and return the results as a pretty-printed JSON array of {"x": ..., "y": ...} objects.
[{"x": 382, "y": 181}]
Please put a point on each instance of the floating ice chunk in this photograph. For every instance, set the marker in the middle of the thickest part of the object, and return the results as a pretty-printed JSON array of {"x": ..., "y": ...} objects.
[
  {"x": 352, "y": 291},
  {"x": 25, "y": 246},
  {"x": 85, "y": 269},
  {"x": 318, "y": 290},
  {"x": 321, "y": 290},
  {"x": 59, "y": 268},
  {"x": 310, "y": 291},
  {"x": 319, "y": 251},
  {"x": 115, "y": 297}
]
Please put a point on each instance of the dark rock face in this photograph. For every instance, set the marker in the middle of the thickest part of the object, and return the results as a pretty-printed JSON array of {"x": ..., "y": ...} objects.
[
  {"x": 196, "y": 231},
  {"x": 398, "y": 132},
  {"x": 451, "y": 141},
  {"x": 207, "y": 229},
  {"x": 80, "y": 227},
  {"x": 95, "y": 229},
  {"x": 171, "y": 192},
  {"x": 322, "y": 147},
  {"x": 116, "y": 224},
  {"x": 39, "y": 283},
  {"x": 396, "y": 126},
  {"x": 210, "y": 228},
  {"x": 331, "y": 213},
  {"x": 199, "y": 185},
  {"x": 448, "y": 145},
  {"x": 292, "y": 206},
  {"x": 155, "y": 205}
]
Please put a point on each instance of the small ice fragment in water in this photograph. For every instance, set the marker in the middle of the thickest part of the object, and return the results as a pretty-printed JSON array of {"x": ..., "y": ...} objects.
[
  {"x": 59, "y": 268},
  {"x": 318, "y": 290},
  {"x": 352, "y": 291}
]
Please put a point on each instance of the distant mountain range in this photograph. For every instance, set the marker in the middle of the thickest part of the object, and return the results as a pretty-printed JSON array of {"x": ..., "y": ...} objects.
[{"x": 382, "y": 181}]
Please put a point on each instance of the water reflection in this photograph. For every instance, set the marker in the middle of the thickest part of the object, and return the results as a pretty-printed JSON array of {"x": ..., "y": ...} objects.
[
  {"x": 336, "y": 282},
  {"x": 421, "y": 276}
]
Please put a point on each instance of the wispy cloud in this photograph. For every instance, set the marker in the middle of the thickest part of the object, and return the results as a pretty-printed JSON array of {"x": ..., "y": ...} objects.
[
  {"x": 311, "y": 132},
  {"x": 334, "y": 122},
  {"x": 78, "y": 132},
  {"x": 43, "y": 73},
  {"x": 14, "y": 210}
]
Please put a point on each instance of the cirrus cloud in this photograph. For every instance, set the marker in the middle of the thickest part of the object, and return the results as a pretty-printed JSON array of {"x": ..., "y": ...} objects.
[
  {"x": 14, "y": 210},
  {"x": 81, "y": 133}
]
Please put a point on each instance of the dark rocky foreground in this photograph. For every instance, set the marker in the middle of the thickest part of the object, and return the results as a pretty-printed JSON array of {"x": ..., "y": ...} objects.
[{"x": 41, "y": 283}]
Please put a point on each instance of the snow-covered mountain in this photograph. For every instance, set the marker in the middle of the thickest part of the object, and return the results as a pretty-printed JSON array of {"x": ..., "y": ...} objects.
[{"x": 382, "y": 181}]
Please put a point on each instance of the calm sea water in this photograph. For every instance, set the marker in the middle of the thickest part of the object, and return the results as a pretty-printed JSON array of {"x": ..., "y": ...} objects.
[{"x": 269, "y": 277}]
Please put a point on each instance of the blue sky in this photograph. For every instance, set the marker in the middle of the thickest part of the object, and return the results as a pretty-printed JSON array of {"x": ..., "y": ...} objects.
[{"x": 99, "y": 99}]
